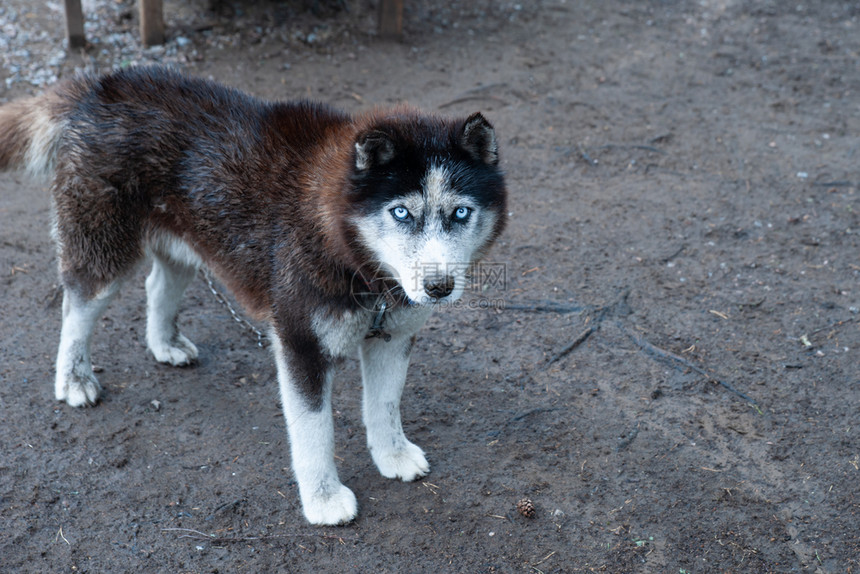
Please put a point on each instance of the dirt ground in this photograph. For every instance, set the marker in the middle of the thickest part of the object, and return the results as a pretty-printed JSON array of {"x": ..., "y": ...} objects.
[{"x": 669, "y": 369}]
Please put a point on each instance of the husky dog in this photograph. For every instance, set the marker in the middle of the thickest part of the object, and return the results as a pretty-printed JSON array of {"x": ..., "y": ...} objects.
[{"x": 341, "y": 233}]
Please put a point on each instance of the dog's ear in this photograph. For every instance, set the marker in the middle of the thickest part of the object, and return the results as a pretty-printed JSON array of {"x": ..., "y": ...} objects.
[
  {"x": 479, "y": 140},
  {"x": 373, "y": 149}
]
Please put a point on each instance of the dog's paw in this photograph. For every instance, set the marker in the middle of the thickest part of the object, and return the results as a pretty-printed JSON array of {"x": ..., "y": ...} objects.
[
  {"x": 330, "y": 509},
  {"x": 179, "y": 351},
  {"x": 406, "y": 463},
  {"x": 77, "y": 389}
]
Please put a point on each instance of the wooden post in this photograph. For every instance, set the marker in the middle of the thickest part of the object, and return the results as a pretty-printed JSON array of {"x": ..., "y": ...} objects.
[
  {"x": 151, "y": 22},
  {"x": 75, "y": 24},
  {"x": 391, "y": 19}
]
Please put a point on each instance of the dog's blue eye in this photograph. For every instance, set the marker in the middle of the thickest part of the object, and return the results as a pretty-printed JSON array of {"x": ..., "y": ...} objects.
[
  {"x": 462, "y": 213},
  {"x": 400, "y": 213}
]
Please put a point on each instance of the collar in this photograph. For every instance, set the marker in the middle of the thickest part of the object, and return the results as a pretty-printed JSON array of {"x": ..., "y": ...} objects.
[{"x": 376, "y": 327}]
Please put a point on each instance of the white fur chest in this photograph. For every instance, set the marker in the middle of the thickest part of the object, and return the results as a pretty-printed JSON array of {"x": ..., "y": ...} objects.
[{"x": 341, "y": 335}]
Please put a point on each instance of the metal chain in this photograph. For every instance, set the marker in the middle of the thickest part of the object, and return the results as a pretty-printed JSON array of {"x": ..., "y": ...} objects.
[{"x": 261, "y": 338}]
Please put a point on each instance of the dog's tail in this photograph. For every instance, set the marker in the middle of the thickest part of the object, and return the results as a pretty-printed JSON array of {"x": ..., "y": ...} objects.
[{"x": 30, "y": 132}]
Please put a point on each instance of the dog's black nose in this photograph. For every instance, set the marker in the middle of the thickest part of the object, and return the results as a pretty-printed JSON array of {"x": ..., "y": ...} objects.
[{"x": 439, "y": 286}]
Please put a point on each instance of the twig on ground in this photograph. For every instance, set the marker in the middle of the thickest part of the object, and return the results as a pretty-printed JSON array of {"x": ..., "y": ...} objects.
[
  {"x": 191, "y": 533},
  {"x": 586, "y": 157},
  {"x": 498, "y": 434},
  {"x": 634, "y": 146},
  {"x": 625, "y": 442},
  {"x": 613, "y": 308},
  {"x": 434, "y": 489},
  {"x": 464, "y": 99},
  {"x": 674, "y": 254},
  {"x": 54, "y": 298},
  {"x": 752, "y": 305},
  {"x": 531, "y": 412},
  {"x": 832, "y": 325},
  {"x": 544, "y": 559},
  {"x": 61, "y": 535},
  {"x": 226, "y": 505},
  {"x": 599, "y": 314},
  {"x": 833, "y": 184},
  {"x": 197, "y": 535},
  {"x": 553, "y": 307},
  {"x": 571, "y": 346},
  {"x": 670, "y": 357},
  {"x": 602, "y": 313},
  {"x": 540, "y": 307},
  {"x": 478, "y": 93}
]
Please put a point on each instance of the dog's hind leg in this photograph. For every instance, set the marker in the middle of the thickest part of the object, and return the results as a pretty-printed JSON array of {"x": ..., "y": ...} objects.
[
  {"x": 164, "y": 288},
  {"x": 98, "y": 228},
  {"x": 75, "y": 383},
  {"x": 383, "y": 371}
]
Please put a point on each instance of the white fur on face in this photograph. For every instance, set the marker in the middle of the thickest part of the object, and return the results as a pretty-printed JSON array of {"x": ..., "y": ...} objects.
[{"x": 428, "y": 249}]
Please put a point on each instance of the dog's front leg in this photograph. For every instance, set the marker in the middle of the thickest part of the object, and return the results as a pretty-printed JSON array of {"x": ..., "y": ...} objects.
[
  {"x": 383, "y": 371},
  {"x": 307, "y": 410}
]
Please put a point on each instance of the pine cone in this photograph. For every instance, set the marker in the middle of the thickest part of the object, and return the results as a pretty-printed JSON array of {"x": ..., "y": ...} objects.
[{"x": 527, "y": 508}]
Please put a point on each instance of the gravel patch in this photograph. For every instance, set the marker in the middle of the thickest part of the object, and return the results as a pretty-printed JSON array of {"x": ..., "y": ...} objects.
[{"x": 34, "y": 51}]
